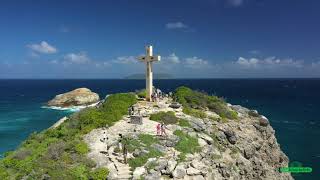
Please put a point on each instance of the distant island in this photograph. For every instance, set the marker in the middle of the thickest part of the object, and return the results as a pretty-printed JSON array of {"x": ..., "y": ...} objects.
[{"x": 155, "y": 76}]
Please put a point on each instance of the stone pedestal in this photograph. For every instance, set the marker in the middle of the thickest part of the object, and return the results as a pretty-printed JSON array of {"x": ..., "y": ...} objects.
[{"x": 134, "y": 119}]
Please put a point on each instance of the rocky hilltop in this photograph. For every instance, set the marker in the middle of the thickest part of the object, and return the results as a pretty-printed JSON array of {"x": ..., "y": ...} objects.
[
  {"x": 206, "y": 138},
  {"x": 195, "y": 148},
  {"x": 77, "y": 97}
]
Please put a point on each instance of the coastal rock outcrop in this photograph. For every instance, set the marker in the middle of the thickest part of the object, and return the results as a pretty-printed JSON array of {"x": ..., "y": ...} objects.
[
  {"x": 244, "y": 148},
  {"x": 77, "y": 97}
]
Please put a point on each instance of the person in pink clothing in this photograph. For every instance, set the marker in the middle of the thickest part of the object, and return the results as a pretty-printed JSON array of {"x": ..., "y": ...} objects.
[{"x": 158, "y": 129}]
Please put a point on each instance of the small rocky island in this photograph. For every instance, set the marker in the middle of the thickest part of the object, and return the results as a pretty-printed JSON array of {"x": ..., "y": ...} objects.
[
  {"x": 206, "y": 139},
  {"x": 77, "y": 97}
]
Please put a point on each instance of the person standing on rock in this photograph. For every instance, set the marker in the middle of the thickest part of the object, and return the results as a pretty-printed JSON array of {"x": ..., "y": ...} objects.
[
  {"x": 163, "y": 129},
  {"x": 158, "y": 129}
]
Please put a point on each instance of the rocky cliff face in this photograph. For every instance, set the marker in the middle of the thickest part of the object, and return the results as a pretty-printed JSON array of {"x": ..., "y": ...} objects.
[
  {"x": 245, "y": 148},
  {"x": 77, "y": 97}
]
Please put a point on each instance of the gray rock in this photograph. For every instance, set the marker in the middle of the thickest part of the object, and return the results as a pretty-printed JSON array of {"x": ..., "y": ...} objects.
[
  {"x": 263, "y": 121},
  {"x": 248, "y": 152},
  {"x": 159, "y": 148},
  {"x": 193, "y": 171},
  {"x": 170, "y": 141},
  {"x": 231, "y": 136},
  {"x": 221, "y": 136},
  {"x": 253, "y": 113},
  {"x": 138, "y": 172},
  {"x": 162, "y": 164},
  {"x": 179, "y": 172},
  {"x": 152, "y": 176},
  {"x": 175, "y": 105},
  {"x": 171, "y": 165},
  {"x": 205, "y": 137},
  {"x": 197, "y": 124},
  {"x": 202, "y": 142}
]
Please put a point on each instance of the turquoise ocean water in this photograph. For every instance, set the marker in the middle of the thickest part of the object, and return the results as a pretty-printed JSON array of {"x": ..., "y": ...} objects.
[{"x": 291, "y": 105}]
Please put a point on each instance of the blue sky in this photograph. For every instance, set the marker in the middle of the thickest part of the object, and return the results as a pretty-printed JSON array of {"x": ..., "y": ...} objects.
[{"x": 196, "y": 38}]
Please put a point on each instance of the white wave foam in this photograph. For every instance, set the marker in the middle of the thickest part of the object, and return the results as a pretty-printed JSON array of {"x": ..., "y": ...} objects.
[{"x": 70, "y": 109}]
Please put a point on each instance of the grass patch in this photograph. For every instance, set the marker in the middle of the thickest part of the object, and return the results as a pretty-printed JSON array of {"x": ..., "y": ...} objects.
[
  {"x": 144, "y": 141},
  {"x": 184, "y": 123},
  {"x": 99, "y": 174},
  {"x": 141, "y": 160},
  {"x": 186, "y": 144},
  {"x": 197, "y": 100},
  {"x": 148, "y": 139},
  {"x": 166, "y": 117},
  {"x": 61, "y": 152}
]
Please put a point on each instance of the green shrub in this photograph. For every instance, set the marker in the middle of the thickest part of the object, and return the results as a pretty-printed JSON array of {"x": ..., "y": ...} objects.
[
  {"x": 184, "y": 123},
  {"x": 142, "y": 93},
  {"x": 166, "y": 117},
  {"x": 80, "y": 172},
  {"x": 192, "y": 101},
  {"x": 99, "y": 174},
  {"x": 82, "y": 148},
  {"x": 186, "y": 144}
]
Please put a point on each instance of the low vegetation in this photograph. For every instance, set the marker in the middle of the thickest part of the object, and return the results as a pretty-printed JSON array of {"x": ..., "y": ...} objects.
[
  {"x": 186, "y": 144},
  {"x": 142, "y": 93},
  {"x": 184, "y": 123},
  {"x": 194, "y": 102},
  {"x": 61, "y": 153},
  {"x": 144, "y": 141},
  {"x": 165, "y": 117}
]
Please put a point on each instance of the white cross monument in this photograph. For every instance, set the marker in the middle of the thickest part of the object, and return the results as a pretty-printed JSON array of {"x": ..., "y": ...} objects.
[{"x": 148, "y": 59}]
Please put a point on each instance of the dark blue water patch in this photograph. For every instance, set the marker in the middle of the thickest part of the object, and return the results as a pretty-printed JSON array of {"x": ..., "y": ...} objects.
[{"x": 292, "y": 106}]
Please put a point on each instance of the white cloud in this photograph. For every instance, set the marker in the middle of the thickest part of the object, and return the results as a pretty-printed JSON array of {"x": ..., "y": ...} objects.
[
  {"x": 172, "y": 58},
  {"x": 268, "y": 62},
  {"x": 77, "y": 58},
  {"x": 235, "y": 3},
  {"x": 176, "y": 25},
  {"x": 195, "y": 61},
  {"x": 125, "y": 60},
  {"x": 43, "y": 48}
]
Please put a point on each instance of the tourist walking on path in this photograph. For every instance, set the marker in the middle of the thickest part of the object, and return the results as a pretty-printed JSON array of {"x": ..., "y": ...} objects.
[
  {"x": 163, "y": 129},
  {"x": 158, "y": 129}
]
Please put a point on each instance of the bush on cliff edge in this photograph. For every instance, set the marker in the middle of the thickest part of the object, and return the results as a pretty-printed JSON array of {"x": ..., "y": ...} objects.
[{"x": 193, "y": 102}]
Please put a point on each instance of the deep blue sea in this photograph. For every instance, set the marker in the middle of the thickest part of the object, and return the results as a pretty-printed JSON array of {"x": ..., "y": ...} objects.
[{"x": 291, "y": 105}]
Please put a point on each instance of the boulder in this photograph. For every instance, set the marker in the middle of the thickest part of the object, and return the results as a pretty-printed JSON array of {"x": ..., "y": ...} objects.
[
  {"x": 197, "y": 124},
  {"x": 175, "y": 105},
  {"x": 171, "y": 165},
  {"x": 134, "y": 119},
  {"x": 139, "y": 171},
  {"x": 179, "y": 172},
  {"x": 162, "y": 164},
  {"x": 193, "y": 171},
  {"x": 205, "y": 137},
  {"x": 202, "y": 142},
  {"x": 77, "y": 97},
  {"x": 248, "y": 152},
  {"x": 231, "y": 136},
  {"x": 263, "y": 121}
]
